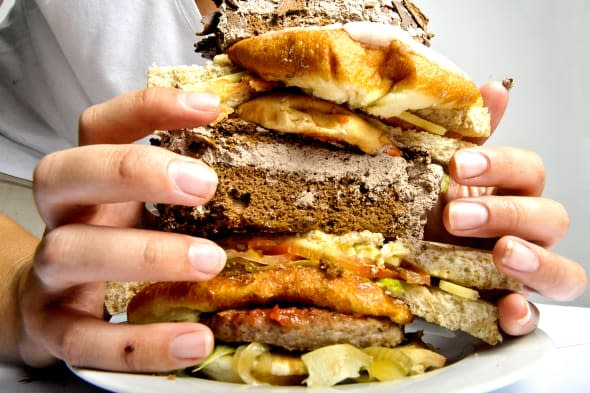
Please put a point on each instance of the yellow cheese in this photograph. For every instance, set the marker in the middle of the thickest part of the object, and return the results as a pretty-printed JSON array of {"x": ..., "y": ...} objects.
[
  {"x": 422, "y": 123},
  {"x": 308, "y": 116},
  {"x": 458, "y": 290}
]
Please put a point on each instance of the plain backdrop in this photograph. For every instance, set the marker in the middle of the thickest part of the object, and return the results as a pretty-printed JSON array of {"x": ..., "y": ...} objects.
[{"x": 545, "y": 46}]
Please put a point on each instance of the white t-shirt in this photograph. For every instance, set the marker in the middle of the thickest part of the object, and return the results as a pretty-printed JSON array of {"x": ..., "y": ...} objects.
[{"x": 58, "y": 57}]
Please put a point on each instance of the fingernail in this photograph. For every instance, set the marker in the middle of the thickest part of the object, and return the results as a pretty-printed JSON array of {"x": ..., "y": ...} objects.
[
  {"x": 202, "y": 102},
  {"x": 193, "y": 345},
  {"x": 470, "y": 164},
  {"x": 520, "y": 257},
  {"x": 467, "y": 215},
  {"x": 193, "y": 178},
  {"x": 206, "y": 258},
  {"x": 527, "y": 317}
]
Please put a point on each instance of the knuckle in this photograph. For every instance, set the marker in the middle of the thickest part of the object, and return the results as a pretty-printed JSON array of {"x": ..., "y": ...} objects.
[
  {"x": 42, "y": 174},
  {"x": 147, "y": 99},
  {"x": 559, "y": 224},
  {"x": 86, "y": 123},
  {"x": 563, "y": 222},
  {"x": 540, "y": 172},
  {"x": 577, "y": 286},
  {"x": 152, "y": 254},
  {"x": 50, "y": 252},
  {"x": 559, "y": 278},
  {"x": 582, "y": 283},
  {"x": 513, "y": 213},
  {"x": 127, "y": 162}
]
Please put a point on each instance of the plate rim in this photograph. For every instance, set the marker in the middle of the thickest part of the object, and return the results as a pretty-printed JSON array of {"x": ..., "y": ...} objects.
[{"x": 538, "y": 343}]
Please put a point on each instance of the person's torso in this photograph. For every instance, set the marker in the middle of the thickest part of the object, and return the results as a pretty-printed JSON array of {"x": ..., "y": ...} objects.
[{"x": 58, "y": 57}]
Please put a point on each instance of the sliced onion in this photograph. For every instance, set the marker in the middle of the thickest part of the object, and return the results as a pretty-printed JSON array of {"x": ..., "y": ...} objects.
[
  {"x": 245, "y": 362},
  {"x": 222, "y": 370},
  {"x": 423, "y": 359},
  {"x": 332, "y": 364},
  {"x": 388, "y": 363},
  {"x": 256, "y": 365},
  {"x": 218, "y": 352}
]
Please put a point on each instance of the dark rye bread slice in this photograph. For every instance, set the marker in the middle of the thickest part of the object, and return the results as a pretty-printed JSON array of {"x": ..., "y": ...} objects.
[
  {"x": 276, "y": 183},
  {"x": 239, "y": 19}
]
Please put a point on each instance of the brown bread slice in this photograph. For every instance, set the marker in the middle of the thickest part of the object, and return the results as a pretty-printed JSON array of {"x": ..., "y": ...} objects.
[
  {"x": 241, "y": 19},
  {"x": 274, "y": 183}
]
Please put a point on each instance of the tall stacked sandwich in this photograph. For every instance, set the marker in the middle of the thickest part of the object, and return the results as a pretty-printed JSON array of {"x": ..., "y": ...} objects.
[{"x": 331, "y": 149}]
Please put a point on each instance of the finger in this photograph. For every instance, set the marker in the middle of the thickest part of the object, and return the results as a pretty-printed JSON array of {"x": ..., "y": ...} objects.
[
  {"x": 67, "y": 182},
  {"x": 510, "y": 170},
  {"x": 75, "y": 254},
  {"x": 516, "y": 315},
  {"x": 495, "y": 97},
  {"x": 84, "y": 341},
  {"x": 132, "y": 116},
  {"x": 540, "y": 220},
  {"x": 541, "y": 270}
]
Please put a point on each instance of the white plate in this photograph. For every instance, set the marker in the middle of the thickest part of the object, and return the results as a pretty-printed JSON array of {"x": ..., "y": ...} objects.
[{"x": 472, "y": 370}]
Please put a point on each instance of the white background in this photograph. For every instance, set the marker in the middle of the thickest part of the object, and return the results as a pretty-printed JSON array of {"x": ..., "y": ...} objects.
[{"x": 545, "y": 46}]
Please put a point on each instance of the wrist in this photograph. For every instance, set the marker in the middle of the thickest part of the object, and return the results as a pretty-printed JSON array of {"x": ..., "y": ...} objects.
[{"x": 17, "y": 248}]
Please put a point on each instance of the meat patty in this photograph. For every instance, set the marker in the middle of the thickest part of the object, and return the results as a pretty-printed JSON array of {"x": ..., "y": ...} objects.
[{"x": 302, "y": 329}]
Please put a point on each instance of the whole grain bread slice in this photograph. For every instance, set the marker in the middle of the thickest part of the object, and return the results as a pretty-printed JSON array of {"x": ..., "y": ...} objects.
[
  {"x": 476, "y": 317},
  {"x": 462, "y": 265}
]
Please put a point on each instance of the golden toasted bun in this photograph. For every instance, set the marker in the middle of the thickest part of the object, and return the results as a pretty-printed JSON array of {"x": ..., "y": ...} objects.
[{"x": 376, "y": 68}]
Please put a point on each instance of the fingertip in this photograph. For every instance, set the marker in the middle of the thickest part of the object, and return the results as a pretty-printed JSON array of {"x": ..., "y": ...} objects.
[
  {"x": 192, "y": 346},
  {"x": 494, "y": 91},
  {"x": 207, "y": 258},
  {"x": 516, "y": 315},
  {"x": 544, "y": 272},
  {"x": 205, "y": 105},
  {"x": 468, "y": 164},
  {"x": 193, "y": 178},
  {"x": 495, "y": 97}
]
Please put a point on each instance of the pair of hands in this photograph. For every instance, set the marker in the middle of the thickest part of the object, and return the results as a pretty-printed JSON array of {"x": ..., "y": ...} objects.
[{"x": 91, "y": 197}]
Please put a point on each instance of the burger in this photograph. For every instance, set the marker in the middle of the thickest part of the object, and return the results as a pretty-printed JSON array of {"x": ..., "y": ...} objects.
[{"x": 331, "y": 149}]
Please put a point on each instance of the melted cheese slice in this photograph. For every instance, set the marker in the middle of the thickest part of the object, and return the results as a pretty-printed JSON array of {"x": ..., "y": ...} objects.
[
  {"x": 232, "y": 89},
  {"x": 308, "y": 116}
]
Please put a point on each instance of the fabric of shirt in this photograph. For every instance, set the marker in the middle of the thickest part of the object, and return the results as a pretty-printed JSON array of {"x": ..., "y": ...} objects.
[{"x": 57, "y": 57}]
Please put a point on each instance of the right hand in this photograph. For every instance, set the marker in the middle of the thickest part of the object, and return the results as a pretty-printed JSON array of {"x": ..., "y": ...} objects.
[
  {"x": 495, "y": 200},
  {"x": 90, "y": 199}
]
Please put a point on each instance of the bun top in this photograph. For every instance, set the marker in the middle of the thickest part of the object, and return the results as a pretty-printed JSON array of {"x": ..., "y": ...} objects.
[{"x": 377, "y": 68}]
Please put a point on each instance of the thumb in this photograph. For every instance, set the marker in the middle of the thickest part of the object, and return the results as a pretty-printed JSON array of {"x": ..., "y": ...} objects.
[{"x": 495, "y": 97}]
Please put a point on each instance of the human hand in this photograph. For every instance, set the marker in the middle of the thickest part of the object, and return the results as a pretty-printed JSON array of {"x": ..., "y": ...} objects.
[
  {"x": 89, "y": 198},
  {"x": 495, "y": 200}
]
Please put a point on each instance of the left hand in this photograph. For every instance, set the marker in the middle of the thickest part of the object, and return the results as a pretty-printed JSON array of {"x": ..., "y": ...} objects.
[
  {"x": 495, "y": 196},
  {"x": 89, "y": 198}
]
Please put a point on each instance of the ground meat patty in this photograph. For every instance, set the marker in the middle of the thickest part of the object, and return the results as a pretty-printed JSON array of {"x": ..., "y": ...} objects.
[{"x": 297, "y": 328}]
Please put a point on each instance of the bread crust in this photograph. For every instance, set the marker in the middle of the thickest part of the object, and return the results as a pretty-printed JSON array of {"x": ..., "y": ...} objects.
[{"x": 332, "y": 65}]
